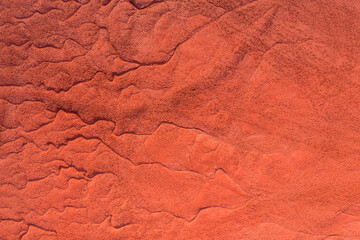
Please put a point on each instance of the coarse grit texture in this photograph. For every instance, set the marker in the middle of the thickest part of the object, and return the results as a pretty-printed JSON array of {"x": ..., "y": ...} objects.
[{"x": 180, "y": 119}]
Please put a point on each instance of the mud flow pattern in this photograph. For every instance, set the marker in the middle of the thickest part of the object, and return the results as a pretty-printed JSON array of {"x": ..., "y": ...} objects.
[{"x": 179, "y": 119}]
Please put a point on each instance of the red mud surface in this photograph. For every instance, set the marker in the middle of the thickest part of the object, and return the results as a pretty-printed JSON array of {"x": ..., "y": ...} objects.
[{"x": 180, "y": 119}]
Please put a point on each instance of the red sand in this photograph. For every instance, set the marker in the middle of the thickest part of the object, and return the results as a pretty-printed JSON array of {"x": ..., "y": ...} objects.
[{"x": 180, "y": 119}]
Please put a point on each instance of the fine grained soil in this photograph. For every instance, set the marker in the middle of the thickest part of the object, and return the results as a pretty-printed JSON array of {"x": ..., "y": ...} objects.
[{"x": 180, "y": 119}]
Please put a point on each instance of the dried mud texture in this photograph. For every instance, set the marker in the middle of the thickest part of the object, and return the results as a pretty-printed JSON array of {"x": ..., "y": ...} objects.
[{"x": 180, "y": 119}]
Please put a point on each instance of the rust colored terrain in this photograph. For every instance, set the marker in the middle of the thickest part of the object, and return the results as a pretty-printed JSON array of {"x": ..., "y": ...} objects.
[{"x": 180, "y": 119}]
